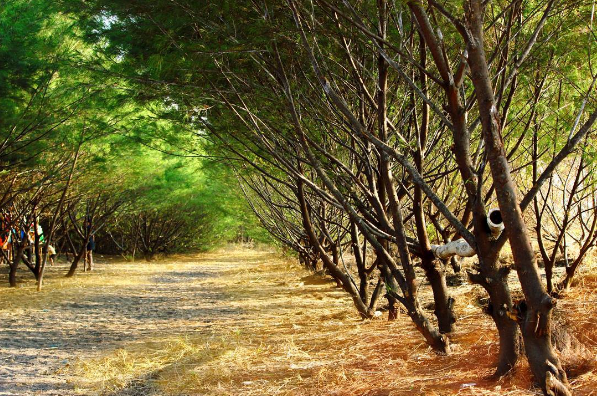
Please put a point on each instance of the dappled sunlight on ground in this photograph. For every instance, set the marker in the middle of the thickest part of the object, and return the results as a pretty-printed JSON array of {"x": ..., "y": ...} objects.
[{"x": 244, "y": 322}]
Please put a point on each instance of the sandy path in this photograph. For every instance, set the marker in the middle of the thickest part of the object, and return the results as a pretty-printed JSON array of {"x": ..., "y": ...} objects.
[
  {"x": 99, "y": 311},
  {"x": 239, "y": 322}
]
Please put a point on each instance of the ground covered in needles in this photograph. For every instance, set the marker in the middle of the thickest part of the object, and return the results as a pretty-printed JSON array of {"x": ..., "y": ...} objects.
[{"x": 248, "y": 322}]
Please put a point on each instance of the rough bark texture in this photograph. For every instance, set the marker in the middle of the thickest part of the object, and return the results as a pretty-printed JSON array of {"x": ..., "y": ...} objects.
[
  {"x": 12, "y": 275},
  {"x": 443, "y": 303},
  {"x": 535, "y": 319},
  {"x": 336, "y": 273},
  {"x": 475, "y": 204},
  {"x": 76, "y": 260},
  {"x": 494, "y": 280}
]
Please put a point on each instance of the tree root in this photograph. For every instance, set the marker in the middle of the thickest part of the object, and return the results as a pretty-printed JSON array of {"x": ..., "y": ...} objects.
[{"x": 553, "y": 386}]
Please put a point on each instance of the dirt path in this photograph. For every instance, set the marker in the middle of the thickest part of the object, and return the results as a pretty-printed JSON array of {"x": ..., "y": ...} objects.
[
  {"x": 240, "y": 322},
  {"x": 115, "y": 305}
]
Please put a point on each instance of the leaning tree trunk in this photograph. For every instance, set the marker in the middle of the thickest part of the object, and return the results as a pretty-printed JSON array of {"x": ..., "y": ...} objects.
[
  {"x": 336, "y": 273},
  {"x": 436, "y": 340},
  {"x": 76, "y": 260},
  {"x": 12, "y": 275},
  {"x": 443, "y": 302},
  {"x": 364, "y": 275},
  {"x": 410, "y": 301},
  {"x": 475, "y": 205},
  {"x": 535, "y": 318},
  {"x": 55, "y": 218}
]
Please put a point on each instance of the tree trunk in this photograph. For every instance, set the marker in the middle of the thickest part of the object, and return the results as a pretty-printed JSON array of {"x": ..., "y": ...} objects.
[
  {"x": 410, "y": 301},
  {"x": 494, "y": 280},
  {"x": 376, "y": 294},
  {"x": 443, "y": 303},
  {"x": 387, "y": 190},
  {"x": 336, "y": 273},
  {"x": 76, "y": 260},
  {"x": 360, "y": 263},
  {"x": 475, "y": 210},
  {"x": 535, "y": 318},
  {"x": 12, "y": 275},
  {"x": 55, "y": 217},
  {"x": 37, "y": 251}
]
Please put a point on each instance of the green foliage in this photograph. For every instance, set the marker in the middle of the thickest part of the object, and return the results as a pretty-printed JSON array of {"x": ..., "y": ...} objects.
[
  {"x": 131, "y": 84},
  {"x": 229, "y": 212},
  {"x": 64, "y": 89},
  {"x": 201, "y": 195}
]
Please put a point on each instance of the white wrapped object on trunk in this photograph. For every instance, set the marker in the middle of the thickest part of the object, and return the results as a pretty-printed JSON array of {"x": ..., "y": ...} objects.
[{"x": 460, "y": 247}]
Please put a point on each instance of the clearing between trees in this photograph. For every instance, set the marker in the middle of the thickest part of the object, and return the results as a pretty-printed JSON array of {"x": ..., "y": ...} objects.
[{"x": 247, "y": 322}]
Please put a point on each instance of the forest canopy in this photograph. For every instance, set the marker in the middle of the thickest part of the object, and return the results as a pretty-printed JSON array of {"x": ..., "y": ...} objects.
[{"x": 80, "y": 144}]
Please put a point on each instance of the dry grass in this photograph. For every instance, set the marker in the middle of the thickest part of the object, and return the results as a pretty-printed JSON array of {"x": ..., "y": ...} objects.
[
  {"x": 57, "y": 288},
  {"x": 297, "y": 336}
]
